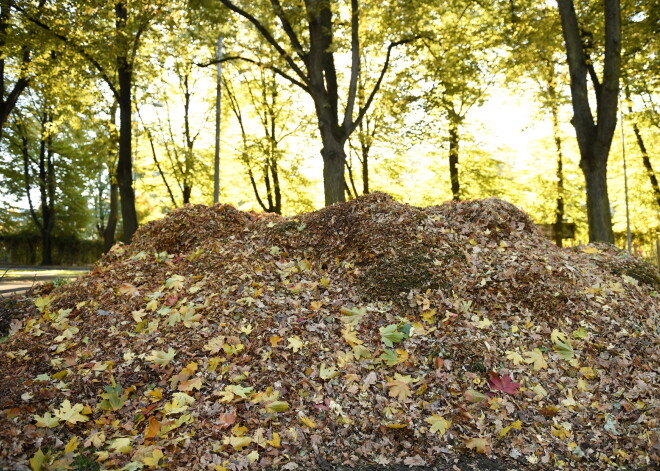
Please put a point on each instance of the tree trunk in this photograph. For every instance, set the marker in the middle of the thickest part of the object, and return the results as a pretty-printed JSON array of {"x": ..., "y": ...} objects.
[
  {"x": 594, "y": 136},
  {"x": 559, "y": 210},
  {"x": 125, "y": 163},
  {"x": 48, "y": 209},
  {"x": 453, "y": 159},
  {"x": 598, "y": 201},
  {"x": 334, "y": 160},
  {"x": 109, "y": 230},
  {"x": 187, "y": 190},
  {"x": 365, "y": 169}
]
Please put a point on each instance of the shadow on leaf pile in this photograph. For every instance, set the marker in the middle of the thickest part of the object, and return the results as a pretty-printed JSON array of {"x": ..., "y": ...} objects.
[{"x": 366, "y": 335}]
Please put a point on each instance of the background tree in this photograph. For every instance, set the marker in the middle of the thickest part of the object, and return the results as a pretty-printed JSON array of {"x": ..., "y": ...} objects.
[
  {"x": 310, "y": 59},
  {"x": 84, "y": 28},
  {"x": 594, "y": 133}
]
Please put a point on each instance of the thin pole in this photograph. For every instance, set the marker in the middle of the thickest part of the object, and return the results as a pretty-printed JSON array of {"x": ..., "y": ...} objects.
[
  {"x": 625, "y": 180},
  {"x": 218, "y": 102}
]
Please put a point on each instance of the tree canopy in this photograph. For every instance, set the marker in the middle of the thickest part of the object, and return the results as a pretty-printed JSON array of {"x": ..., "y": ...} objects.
[{"x": 106, "y": 110}]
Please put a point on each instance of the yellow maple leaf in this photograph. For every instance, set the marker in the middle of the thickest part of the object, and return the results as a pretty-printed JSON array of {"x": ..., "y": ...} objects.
[
  {"x": 71, "y": 414},
  {"x": 590, "y": 250},
  {"x": 46, "y": 420},
  {"x": 295, "y": 343},
  {"x": 360, "y": 351},
  {"x": 429, "y": 316},
  {"x": 121, "y": 445},
  {"x": 275, "y": 442},
  {"x": 539, "y": 392},
  {"x": 253, "y": 456},
  {"x": 514, "y": 356},
  {"x": 569, "y": 401},
  {"x": 560, "y": 432},
  {"x": 536, "y": 357},
  {"x": 194, "y": 383},
  {"x": 485, "y": 322},
  {"x": 274, "y": 340},
  {"x": 153, "y": 460},
  {"x": 238, "y": 443},
  {"x": 129, "y": 289},
  {"x": 399, "y": 386},
  {"x": 215, "y": 344},
  {"x": 307, "y": 421},
  {"x": 517, "y": 425},
  {"x": 350, "y": 335},
  {"x": 161, "y": 357},
  {"x": 438, "y": 424}
]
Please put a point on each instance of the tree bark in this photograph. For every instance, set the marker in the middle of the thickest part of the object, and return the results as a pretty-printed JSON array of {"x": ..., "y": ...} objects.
[
  {"x": 594, "y": 136},
  {"x": 560, "y": 206},
  {"x": 598, "y": 203},
  {"x": 125, "y": 162},
  {"x": 334, "y": 160},
  {"x": 111, "y": 227},
  {"x": 453, "y": 158}
]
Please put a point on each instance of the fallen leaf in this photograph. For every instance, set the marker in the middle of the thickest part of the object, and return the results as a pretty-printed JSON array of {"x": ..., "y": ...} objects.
[
  {"x": 480, "y": 445},
  {"x": 46, "y": 420},
  {"x": 438, "y": 424},
  {"x": 503, "y": 383},
  {"x": 295, "y": 344},
  {"x": 536, "y": 357},
  {"x": 71, "y": 414},
  {"x": 161, "y": 357}
]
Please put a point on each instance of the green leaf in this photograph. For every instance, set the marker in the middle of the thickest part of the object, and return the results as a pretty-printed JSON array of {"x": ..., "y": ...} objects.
[
  {"x": 327, "y": 372},
  {"x": 580, "y": 333},
  {"x": 277, "y": 406},
  {"x": 113, "y": 398},
  {"x": 565, "y": 350},
  {"x": 389, "y": 357},
  {"x": 352, "y": 316},
  {"x": 37, "y": 461},
  {"x": 391, "y": 335}
]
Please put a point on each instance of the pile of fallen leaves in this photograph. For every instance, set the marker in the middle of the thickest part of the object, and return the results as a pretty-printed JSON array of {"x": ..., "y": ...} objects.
[{"x": 367, "y": 333}]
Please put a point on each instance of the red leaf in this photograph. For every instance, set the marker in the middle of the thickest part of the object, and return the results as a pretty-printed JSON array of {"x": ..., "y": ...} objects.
[{"x": 502, "y": 383}]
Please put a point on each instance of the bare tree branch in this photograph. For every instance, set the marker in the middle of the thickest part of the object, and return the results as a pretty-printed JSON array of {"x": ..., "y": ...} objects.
[
  {"x": 355, "y": 64},
  {"x": 370, "y": 99},
  {"x": 269, "y": 37},
  {"x": 277, "y": 70},
  {"x": 288, "y": 29}
]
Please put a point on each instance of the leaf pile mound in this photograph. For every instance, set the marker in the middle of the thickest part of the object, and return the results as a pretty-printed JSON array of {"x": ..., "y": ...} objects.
[{"x": 367, "y": 333}]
